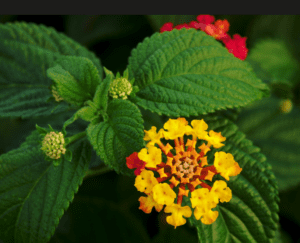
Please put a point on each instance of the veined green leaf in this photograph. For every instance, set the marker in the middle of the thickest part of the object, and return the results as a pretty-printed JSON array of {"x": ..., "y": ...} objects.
[
  {"x": 119, "y": 136},
  {"x": 34, "y": 193},
  {"x": 101, "y": 95},
  {"x": 278, "y": 136},
  {"x": 76, "y": 79},
  {"x": 27, "y": 50},
  {"x": 252, "y": 213},
  {"x": 186, "y": 72}
]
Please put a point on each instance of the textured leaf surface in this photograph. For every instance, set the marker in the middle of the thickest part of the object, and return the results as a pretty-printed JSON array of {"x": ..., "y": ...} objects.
[
  {"x": 34, "y": 193},
  {"x": 27, "y": 50},
  {"x": 101, "y": 95},
  {"x": 186, "y": 72},
  {"x": 278, "y": 136},
  {"x": 275, "y": 59},
  {"x": 252, "y": 213},
  {"x": 119, "y": 136},
  {"x": 76, "y": 79}
]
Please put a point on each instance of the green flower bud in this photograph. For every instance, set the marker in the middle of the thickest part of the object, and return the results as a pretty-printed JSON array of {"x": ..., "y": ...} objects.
[
  {"x": 53, "y": 145},
  {"x": 120, "y": 88},
  {"x": 286, "y": 106}
]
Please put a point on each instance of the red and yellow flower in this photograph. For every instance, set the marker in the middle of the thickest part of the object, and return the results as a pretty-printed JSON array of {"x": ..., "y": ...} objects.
[
  {"x": 184, "y": 172},
  {"x": 218, "y": 30}
]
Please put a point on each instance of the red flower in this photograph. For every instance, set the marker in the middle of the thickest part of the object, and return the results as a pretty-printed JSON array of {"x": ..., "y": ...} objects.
[
  {"x": 218, "y": 30},
  {"x": 180, "y": 26},
  {"x": 236, "y": 46},
  {"x": 133, "y": 161},
  {"x": 166, "y": 27},
  {"x": 195, "y": 25},
  {"x": 205, "y": 19}
]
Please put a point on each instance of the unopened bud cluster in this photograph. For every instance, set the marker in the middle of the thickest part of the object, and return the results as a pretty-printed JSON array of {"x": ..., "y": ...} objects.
[
  {"x": 53, "y": 145},
  {"x": 286, "y": 106},
  {"x": 120, "y": 88}
]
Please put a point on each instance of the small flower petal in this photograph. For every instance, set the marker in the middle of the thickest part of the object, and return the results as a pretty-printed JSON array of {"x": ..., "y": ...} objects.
[
  {"x": 215, "y": 139},
  {"x": 176, "y": 219},
  {"x": 226, "y": 165},
  {"x": 221, "y": 191},
  {"x": 163, "y": 194},
  {"x": 209, "y": 217},
  {"x": 152, "y": 156},
  {"x": 133, "y": 161},
  {"x": 147, "y": 203},
  {"x": 153, "y": 136},
  {"x": 145, "y": 181}
]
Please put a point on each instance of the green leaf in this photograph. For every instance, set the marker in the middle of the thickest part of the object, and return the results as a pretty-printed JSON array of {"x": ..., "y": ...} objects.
[
  {"x": 27, "y": 50},
  {"x": 34, "y": 193},
  {"x": 87, "y": 113},
  {"x": 101, "y": 94},
  {"x": 275, "y": 59},
  {"x": 119, "y": 136},
  {"x": 76, "y": 79},
  {"x": 186, "y": 72},
  {"x": 278, "y": 136},
  {"x": 252, "y": 213}
]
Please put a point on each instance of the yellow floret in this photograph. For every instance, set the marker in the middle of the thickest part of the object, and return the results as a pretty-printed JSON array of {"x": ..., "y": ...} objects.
[
  {"x": 153, "y": 136},
  {"x": 163, "y": 194},
  {"x": 226, "y": 165},
  {"x": 215, "y": 139},
  {"x": 209, "y": 217},
  {"x": 221, "y": 191},
  {"x": 176, "y": 219},
  {"x": 145, "y": 181},
  {"x": 199, "y": 129},
  {"x": 176, "y": 128},
  {"x": 147, "y": 203},
  {"x": 152, "y": 156},
  {"x": 203, "y": 198}
]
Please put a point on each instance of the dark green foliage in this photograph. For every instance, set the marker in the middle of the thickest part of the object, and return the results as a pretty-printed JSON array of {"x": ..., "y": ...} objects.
[{"x": 27, "y": 50}]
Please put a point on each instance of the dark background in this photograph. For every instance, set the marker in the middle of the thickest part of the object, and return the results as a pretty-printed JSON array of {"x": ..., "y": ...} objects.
[{"x": 105, "y": 209}]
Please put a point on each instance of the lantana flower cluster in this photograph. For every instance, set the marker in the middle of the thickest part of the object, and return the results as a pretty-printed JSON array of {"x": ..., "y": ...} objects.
[
  {"x": 182, "y": 172},
  {"x": 120, "y": 87},
  {"x": 54, "y": 145},
  {"x": 218, "y": 30}
]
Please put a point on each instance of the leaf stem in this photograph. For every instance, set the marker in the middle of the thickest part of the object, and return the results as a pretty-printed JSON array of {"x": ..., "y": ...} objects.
[
  {"x": 96, "y": 172},
  {"x": 75, "y": 137}
]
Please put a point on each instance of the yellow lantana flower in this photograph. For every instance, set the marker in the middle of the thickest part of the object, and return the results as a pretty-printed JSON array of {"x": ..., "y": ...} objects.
[
  {"x": 176, "y": 128},
  {"x": 226, "y": 165},
  {"x": 147, "y": 203},
  {"x": 177, "y": 211},
  {"x": 145, "y": 181},
  {"x": 153, "y": 136},
  {"x": 163, "y": 194},
  {"x": 215, "y": 139},
  {"x": 184, "y": 172},
  {"x": 152, "y": 156}
]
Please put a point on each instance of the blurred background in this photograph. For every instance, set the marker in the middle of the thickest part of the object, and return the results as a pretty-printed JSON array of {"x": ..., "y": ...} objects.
[{"x": 105, "y": 209}]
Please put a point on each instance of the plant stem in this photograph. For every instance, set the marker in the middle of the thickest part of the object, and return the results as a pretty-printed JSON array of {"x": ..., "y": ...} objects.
[
  {"x": 75, "y": 137},
  {"x": 95, "y": 172}
]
